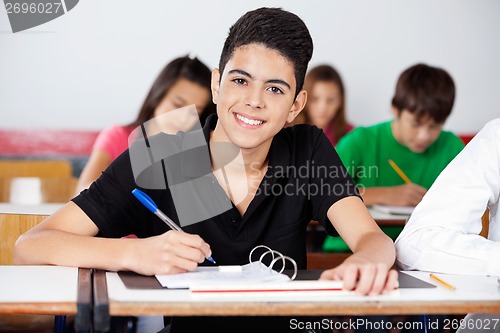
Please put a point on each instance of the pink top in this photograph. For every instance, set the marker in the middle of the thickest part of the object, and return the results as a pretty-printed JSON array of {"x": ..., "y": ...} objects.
[
  {"x": 113, "y": 140},
  {"x": 329, "y": 133}
]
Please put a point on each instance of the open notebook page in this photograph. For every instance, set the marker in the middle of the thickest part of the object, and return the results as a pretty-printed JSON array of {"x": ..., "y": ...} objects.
[
  {"x": 395, "y": 210},
  {"x": 255, "y": 272}
]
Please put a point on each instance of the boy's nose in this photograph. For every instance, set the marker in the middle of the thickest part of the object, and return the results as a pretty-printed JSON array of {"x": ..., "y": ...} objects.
[
  {"x": 423, "y": 135},
  {"x": 254, "y": 99}
]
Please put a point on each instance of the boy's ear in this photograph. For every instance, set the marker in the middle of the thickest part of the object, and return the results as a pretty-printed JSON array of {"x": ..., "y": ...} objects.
[
  {"x": 395, "y": 112},
  {"x": 297, "y": 106},
  {"x": 215, "y": 84}
]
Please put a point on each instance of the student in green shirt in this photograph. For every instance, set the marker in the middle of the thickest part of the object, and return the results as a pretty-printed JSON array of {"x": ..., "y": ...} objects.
[{"x": 414, "y": 140}]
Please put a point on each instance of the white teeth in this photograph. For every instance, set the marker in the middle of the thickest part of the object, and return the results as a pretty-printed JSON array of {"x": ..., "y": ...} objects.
[{"x": 249, "y": 121}]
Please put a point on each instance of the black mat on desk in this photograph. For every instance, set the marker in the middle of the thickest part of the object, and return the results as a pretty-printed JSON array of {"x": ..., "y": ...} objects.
[
  {"x": 408, "y": 281},
  {"x": 133, "y": 280},
  {"x": 136, "y": 281}
]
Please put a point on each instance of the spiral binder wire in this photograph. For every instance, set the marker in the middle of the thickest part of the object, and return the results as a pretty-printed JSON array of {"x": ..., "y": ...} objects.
[{"x": 274, "y": 260}]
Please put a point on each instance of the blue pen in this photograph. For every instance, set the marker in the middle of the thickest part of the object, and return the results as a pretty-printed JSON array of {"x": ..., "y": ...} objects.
[{"x": 151, "y": 205}]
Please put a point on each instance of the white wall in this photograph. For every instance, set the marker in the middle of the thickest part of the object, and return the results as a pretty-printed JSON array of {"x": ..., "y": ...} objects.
[{"x": 92, "y": 67}]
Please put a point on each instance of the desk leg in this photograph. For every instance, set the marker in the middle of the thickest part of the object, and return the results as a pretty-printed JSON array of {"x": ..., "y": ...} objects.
[
  {"x": 101, "y": 303},
  {"x": 83, "y": 318},
  {"x": 60, "y": 324}
]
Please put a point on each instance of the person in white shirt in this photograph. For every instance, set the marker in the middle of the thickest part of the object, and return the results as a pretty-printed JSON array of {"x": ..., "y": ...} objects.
[{"x": 442, "y": 234}]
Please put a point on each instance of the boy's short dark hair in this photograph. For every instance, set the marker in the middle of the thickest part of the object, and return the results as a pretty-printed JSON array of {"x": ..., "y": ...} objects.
[
  {"x": 425, "y": 91},
  {"x": 276, "y": 29}
]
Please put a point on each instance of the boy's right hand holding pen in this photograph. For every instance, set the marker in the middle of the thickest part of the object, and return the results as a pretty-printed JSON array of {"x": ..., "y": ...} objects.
[
  {"x": 169, "y": 253},
  {"x": 175, "y": 251}
]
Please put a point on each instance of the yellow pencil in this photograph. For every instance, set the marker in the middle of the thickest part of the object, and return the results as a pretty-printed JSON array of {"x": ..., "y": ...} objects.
[
  {"x": 446, "y": 284},
  {"x": 399, "y": 172}
]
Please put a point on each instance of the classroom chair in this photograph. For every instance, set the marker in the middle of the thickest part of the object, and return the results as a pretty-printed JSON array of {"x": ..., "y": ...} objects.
[
  {"x": 35, "y": 168},
  {"x": 37, "y": 190},
  {"x": 485, "y": 219}
]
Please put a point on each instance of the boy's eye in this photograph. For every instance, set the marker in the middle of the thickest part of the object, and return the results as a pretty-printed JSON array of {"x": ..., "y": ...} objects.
[
  {"x": 239, "y": 81},
  {"x": 276, "y": 90}
]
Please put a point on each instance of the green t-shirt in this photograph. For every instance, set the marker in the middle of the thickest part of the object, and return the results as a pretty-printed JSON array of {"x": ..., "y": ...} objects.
[{"x": 365, "y": 153}]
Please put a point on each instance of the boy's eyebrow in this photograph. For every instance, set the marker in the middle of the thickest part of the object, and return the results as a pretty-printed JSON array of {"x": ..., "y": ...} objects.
[
  {"x": 278, "y": 81},
  {"x": 244, "y": 73}
]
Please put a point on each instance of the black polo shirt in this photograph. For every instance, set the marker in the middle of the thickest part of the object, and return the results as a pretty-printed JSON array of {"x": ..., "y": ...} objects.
[{"x": 305, "y": 177}]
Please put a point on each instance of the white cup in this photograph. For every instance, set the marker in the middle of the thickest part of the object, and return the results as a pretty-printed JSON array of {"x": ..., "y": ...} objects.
[{"x": 26, "y": 191}]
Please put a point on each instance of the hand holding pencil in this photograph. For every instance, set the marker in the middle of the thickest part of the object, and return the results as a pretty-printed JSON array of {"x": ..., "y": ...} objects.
[{"x": 409, "y": 194}]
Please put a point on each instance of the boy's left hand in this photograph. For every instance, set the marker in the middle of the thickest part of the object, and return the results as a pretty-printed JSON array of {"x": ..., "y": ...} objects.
[{"x": 363, "y": 276}]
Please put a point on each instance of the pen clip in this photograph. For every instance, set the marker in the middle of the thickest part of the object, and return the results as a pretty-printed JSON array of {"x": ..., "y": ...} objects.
[{"x": 145, "y": 200}]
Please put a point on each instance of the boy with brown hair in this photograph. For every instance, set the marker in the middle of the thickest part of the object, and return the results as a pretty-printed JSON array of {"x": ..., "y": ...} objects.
[{"x": 414, "y": 140}]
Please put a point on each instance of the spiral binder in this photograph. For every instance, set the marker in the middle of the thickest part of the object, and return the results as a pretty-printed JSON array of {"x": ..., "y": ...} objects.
[{"x": 274, "y": 260}]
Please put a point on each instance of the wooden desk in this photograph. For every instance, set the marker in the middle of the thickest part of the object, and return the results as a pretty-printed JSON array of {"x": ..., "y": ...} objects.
[
  {"x": 382, "y": 219},
  {"x": 47, "y": 290},
  {"x": 473, "y": 294},
  {"x": 316, "y": 233},
  {"x": 387, "y": 220}
]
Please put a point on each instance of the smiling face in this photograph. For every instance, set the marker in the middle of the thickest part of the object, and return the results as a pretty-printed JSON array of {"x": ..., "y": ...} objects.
[{"x": 255, "y": 97}]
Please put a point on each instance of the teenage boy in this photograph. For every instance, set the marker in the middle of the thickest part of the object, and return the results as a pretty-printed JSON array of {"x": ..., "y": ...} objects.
[
  {"x": 414, "y": 141},
  {"x": 257, "y": 89}
]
